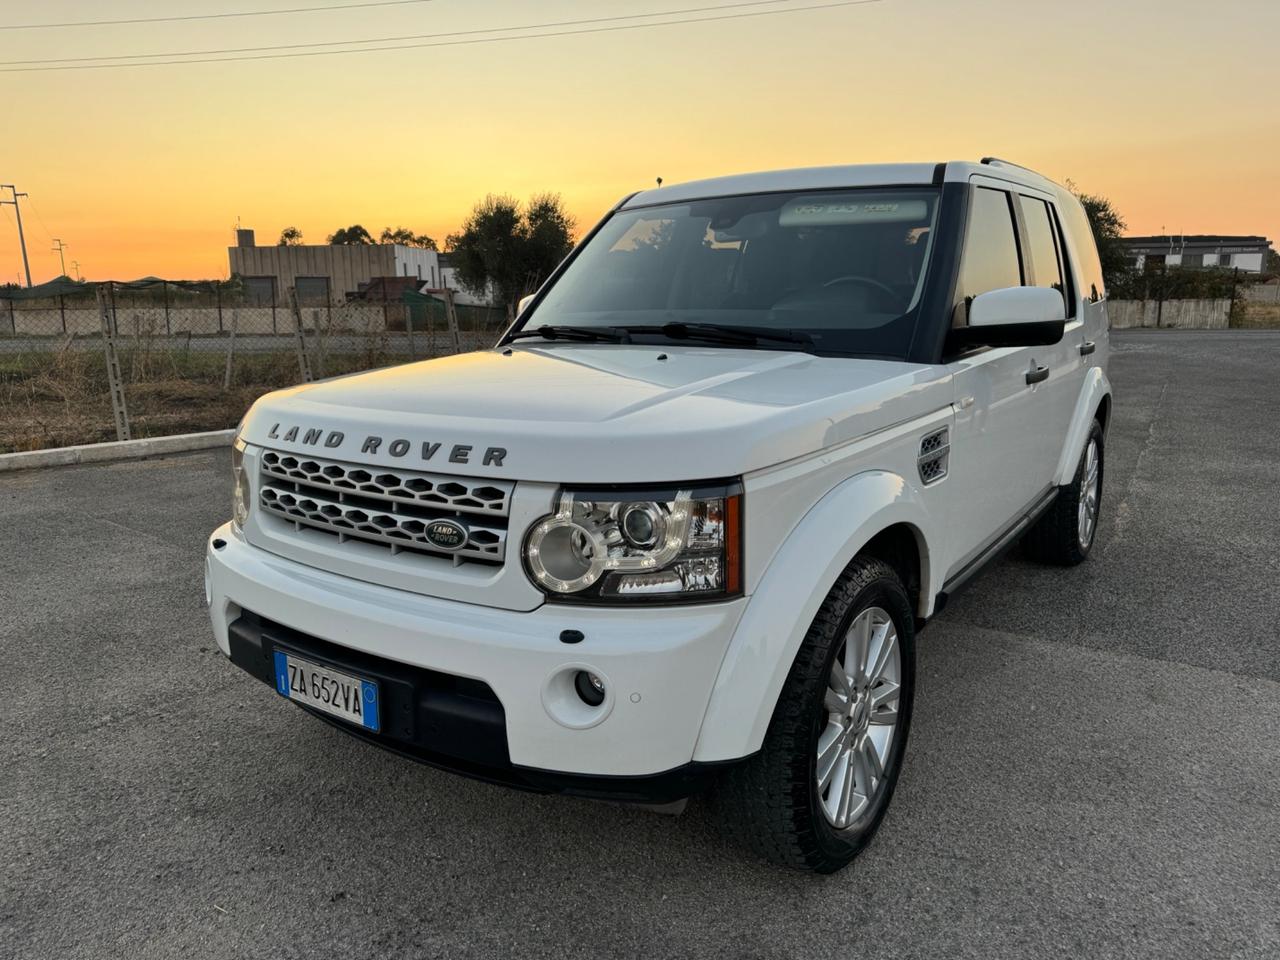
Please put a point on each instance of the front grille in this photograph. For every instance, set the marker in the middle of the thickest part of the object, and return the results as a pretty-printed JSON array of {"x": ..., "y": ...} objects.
[{"x": 392, "y": 508}]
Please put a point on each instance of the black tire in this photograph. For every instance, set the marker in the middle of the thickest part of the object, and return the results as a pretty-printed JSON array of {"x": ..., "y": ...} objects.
[
  {"x": 1055, "y": 537},
  {"x": 772, "y": 804}
]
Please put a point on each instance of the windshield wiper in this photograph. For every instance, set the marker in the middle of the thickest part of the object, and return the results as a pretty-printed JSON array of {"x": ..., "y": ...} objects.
[
  {"x": 561, "y": 331},
  {"x": 724, "y": 333}
]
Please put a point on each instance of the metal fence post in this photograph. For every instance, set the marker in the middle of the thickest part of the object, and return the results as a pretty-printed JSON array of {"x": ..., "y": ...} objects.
[
  {"x": 115, "y": 381},
  {"x": 164, "y": 286},
  {"x": 62, "y": 310},
  {"x": 300, "y": 341},
  {"x": 274, "y": 331},
  {"x": 407, "y": 313},
  {"x": 13, "y": 319},
  {"x": 231, "y": 348},
  {"x": 217, "y": 295},
  {"x": 451, "y": 314}
]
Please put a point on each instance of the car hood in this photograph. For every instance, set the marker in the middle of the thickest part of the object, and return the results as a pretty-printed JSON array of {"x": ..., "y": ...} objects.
[{"x": 597, "y": 413}]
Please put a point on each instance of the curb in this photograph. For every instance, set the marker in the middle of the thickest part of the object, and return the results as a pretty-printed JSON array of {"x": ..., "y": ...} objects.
[{"x": 115, "y": 450}]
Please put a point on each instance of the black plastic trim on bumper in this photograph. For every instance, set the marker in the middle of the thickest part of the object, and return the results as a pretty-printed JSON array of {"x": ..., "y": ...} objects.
[{"x": 452, "y": 723}]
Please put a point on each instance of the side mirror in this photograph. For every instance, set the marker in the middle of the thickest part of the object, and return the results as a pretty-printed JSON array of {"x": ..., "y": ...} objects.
[
  {"x": 524, "y": 302},
  {"x": 1012, "y": 317}
]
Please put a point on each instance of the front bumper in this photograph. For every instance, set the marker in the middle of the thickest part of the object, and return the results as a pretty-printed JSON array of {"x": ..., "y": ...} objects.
[{"x": 484, "y": 690}]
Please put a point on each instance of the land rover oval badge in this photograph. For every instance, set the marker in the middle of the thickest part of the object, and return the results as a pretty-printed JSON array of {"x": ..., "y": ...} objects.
[{"x": 446, "y": 535}]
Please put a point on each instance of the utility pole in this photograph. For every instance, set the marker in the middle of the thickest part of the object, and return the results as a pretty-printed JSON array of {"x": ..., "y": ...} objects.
[
  {"x": 22, "y": 240},
  {"x": 75, "y": 265},
  {"x": 61, "y": 255}
]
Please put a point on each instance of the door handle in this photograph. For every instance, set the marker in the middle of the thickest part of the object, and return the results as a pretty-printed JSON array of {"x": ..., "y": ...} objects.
[
  {"x": 1037, "y": 374},
  {"x": 1087, "y": 348}
]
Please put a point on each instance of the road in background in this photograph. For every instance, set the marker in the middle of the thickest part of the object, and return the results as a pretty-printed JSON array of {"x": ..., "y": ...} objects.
[{"x": 1094, "y": 768}]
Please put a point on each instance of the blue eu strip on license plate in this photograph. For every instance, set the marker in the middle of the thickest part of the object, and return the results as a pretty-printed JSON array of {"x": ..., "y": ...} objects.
[{"x": 342, "y": 695}]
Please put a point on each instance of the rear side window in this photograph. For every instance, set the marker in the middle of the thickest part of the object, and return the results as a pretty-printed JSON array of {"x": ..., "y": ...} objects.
[
  {"x": 990, "y": 260},
  {"x": 1042, "y": 243},
  {"x": 1076, "y": 223}
]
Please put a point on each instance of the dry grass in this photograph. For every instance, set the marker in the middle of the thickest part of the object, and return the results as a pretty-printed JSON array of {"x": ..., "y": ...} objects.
[
  {"x": 59, "y": 397},
  {"x": 1256, "y": 316}
]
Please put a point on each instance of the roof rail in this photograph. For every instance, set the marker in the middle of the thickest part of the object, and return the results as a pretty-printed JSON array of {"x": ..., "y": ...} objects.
[{"x": 1008, "y": 163}]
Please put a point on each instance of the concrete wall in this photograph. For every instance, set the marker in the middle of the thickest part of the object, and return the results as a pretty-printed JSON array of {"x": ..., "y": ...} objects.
[{"x": 1174, "y": 314}]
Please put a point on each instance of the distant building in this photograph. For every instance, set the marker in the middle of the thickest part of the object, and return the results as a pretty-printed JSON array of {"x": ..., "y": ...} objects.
[
  {"x": 334, "y": 274},
  {"x": 1247, "y": 254}
]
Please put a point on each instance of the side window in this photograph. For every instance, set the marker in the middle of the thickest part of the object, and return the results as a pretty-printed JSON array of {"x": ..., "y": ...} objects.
[
  {"x": 1042, "y": 244},
  {"x": 1076, "y": 223},
  {"x": 990, "y": 260}
]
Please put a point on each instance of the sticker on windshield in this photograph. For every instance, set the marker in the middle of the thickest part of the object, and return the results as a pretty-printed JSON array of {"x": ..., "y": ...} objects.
[{"x": 840, "y": 211}]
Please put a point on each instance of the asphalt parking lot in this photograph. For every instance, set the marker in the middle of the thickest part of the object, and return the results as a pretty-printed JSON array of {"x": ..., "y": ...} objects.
[{"x": 1094, "y": 768}]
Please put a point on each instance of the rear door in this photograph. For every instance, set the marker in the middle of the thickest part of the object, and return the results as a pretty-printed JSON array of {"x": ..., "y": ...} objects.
[
  {"x": 1046, "y": 266},
  {"x": 1000, "y": 459}
]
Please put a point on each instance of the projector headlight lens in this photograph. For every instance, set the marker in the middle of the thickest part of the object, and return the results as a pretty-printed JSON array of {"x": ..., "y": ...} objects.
[{"x": 658, "y": 545}]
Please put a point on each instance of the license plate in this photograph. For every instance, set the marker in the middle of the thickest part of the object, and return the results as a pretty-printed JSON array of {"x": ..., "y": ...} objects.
[{"x": 351, "y": 698}]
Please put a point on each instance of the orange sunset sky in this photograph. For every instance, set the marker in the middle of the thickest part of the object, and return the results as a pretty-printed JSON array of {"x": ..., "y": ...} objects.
[{"x": 1170, "y": 108}]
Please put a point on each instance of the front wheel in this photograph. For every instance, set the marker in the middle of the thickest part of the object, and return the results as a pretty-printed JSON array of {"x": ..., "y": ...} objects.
[{"x": 815, "y": 794}]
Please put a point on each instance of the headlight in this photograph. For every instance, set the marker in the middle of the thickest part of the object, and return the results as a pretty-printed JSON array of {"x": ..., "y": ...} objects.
[
  {"x": 240, "y": 497},
  {"x": 674, "y": 544}
]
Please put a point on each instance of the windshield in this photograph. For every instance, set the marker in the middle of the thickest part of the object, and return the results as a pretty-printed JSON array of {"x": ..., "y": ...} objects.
[{"x": 842, "y": 269}]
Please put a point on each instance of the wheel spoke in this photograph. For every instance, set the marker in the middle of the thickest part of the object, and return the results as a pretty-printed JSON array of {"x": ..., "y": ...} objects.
[
  {"x": 847, "y": 791},
  {"x": 856, "y": 644},
  {"x": 884, "y": 702},
  {"x": 871, "y": 758},
  {"x": 885, "y": 652},
  {"x": 830, "y": 746},
  {"x": 835, "y": 702},
  {"x": 839, "y": 680}
]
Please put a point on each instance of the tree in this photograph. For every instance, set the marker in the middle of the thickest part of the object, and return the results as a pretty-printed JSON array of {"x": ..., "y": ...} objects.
[
  {"x": 354, "y": 235},
  {"x": 511, "y": 248},
  {"x": 1271, "y": 263},
  {"x": 407, "y": 238},
  {"x": 290, "y": 237}
]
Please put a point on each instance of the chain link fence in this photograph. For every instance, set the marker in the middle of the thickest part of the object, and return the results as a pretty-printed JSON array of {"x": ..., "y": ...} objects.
[{"x": 92, "y": 362}]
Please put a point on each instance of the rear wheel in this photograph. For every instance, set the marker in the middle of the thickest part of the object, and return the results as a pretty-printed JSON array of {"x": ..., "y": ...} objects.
[
  {"x": 1064, "y": 535},
  {"x": 815, "y": 794}
]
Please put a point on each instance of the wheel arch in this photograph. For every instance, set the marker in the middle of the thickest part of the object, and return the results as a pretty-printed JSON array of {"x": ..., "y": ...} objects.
[
  {"x": 876, "y": 513},
  {"x": 1094, "y": 402}
]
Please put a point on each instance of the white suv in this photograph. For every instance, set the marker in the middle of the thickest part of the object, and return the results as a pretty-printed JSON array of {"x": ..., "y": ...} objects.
[{"x": 680, "y": 527}]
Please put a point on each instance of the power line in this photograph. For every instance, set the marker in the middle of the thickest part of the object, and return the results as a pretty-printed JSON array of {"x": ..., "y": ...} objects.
[
  {"x": 39, "y": 219},
  {"x": 207, "y": 16},
  {"x": 450, "y": 43},
  {"x": 417, "y": 36}
]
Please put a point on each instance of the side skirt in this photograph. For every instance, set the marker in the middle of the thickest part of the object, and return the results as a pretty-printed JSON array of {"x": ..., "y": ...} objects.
[{"x": 996, "y": 549}]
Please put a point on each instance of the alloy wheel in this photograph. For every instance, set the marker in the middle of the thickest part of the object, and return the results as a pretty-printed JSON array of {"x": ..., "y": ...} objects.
[
  {"x": 1087, "y": 509},
  {"x": 861, "y": 704}
]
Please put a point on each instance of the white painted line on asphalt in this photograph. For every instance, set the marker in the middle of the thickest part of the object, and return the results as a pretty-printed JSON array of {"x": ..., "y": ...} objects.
[{"x": 116, "y": 450}]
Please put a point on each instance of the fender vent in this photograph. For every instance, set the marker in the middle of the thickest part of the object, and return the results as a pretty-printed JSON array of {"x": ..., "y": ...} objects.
[{"x": 935, "y": 450}]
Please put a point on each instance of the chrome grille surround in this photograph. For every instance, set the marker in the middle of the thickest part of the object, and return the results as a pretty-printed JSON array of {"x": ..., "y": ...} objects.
[{"x": 389, "y": 507}]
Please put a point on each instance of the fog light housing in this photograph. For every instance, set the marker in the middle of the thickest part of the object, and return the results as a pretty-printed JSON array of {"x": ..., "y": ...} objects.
[{"x": 590, "y": 688}]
